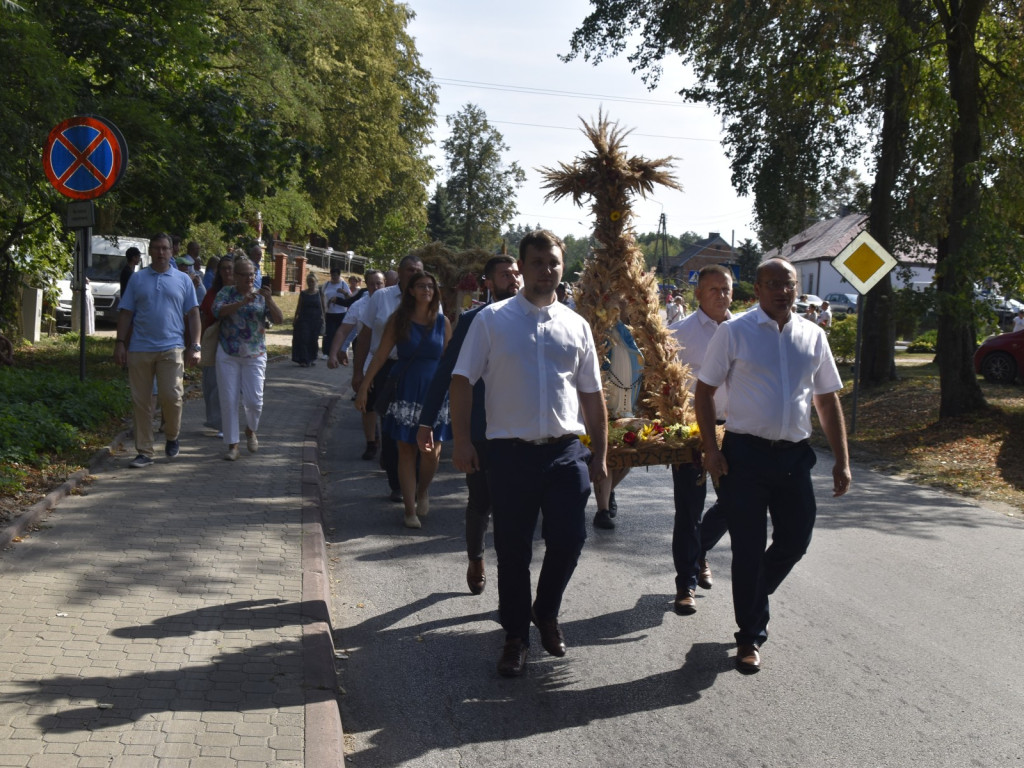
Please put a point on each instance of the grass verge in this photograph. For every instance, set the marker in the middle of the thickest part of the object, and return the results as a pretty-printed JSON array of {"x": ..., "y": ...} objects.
[{"x": 977, "y": 455}]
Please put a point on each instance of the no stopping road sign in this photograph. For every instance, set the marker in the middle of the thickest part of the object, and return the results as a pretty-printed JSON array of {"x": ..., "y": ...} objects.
[{"x": 84, "y": 157}]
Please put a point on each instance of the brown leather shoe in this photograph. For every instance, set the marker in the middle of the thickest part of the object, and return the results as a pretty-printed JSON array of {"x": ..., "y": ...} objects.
[
  {"x": 550, "y": 635},
  {"x": 748, "y": 660},
  {"x": 513, "y": 658},
  {"x": 685, "y": 602},
  {"x": 475, "y": 577},
  {"x": 704, "y": 580}
]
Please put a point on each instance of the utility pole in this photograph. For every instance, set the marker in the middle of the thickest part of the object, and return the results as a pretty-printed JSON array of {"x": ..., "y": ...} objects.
[{"x": 661, "y": 246}]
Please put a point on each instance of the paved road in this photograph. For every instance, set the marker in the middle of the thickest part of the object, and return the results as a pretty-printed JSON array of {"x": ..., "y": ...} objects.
[{"x": 893, "y": 642}]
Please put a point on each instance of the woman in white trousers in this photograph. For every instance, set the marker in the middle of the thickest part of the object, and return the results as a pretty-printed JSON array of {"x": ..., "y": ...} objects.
[{"x": 242, "y": 357}]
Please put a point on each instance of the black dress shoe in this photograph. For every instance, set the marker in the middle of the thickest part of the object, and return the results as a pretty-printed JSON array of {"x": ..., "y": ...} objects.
[
  {"x": 603, "y": 519},
  {"x": 550, "y": 635},
  {"x": 704, "y": 575},
  {"x": 513, "y": 658},
  {"x": 475, "y": 577},
  {"x": 613, "y": 508},
  {"x": 685, "y": 603},
  {"x": 748, "y": 660}
]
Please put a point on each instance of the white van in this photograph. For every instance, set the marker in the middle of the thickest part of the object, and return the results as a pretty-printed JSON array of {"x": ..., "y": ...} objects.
[{"x": 108, "y": 259}]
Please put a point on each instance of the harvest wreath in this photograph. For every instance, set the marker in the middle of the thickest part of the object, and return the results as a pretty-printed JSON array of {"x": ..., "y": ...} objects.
[{"x": 643, "y": 442}]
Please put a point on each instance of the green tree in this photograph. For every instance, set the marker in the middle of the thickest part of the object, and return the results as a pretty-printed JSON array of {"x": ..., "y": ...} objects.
[
  {"x": 749, "y": 258},
  {"x": 806, "y": 86},
  {"x": 440, "y": 226},
  {"x": 514, "y": 235},
  {"x": 34, "y": 96},
  {"x": 577, "y": 250},
  {"x": 481, "y": 188}
]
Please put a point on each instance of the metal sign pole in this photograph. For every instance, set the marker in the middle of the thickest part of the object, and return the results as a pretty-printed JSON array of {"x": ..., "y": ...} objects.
[
  {"x": 856, "y": 362},
  {"x": 82, "y": 216}
]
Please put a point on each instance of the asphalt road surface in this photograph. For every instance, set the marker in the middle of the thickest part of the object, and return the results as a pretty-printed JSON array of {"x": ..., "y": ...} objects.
[{"x": 893, "y": 642}]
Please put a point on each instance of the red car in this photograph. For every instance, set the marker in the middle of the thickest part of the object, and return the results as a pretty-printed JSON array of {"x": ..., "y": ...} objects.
[{"x": 1001, "y": 358}]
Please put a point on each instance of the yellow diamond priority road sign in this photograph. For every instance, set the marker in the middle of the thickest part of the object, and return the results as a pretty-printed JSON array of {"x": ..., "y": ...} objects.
[{"x": 864, "y": 262}]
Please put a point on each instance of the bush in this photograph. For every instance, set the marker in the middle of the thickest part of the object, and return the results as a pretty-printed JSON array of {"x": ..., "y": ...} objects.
[
  {"x": 842, "y": 338},
  {"x": 925, "y": 342},
  {"x": 45, "y": 412}
]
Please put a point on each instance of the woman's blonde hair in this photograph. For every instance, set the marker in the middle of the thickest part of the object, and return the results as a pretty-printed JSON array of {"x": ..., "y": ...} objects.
[{"x": 311, "y": 281}]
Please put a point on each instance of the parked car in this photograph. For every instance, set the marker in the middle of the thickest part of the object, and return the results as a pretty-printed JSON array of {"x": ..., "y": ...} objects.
[
  {"x": 805, "y": 300},
  {"x": 842, "y": 302},
  {"x": 1001, "y": 358},
  {"x": 104, "y": 276}
]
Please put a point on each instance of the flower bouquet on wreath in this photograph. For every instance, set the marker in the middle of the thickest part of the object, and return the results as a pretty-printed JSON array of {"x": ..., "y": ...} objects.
[{"x": 642, "y": 442}]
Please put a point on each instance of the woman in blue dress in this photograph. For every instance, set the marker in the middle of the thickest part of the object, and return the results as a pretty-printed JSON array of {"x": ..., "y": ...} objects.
[{"x": 420, "y": 332}]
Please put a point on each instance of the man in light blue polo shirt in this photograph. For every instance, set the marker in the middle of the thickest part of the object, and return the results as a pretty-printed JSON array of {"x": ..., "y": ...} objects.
[{"x": 157, "y": 309}]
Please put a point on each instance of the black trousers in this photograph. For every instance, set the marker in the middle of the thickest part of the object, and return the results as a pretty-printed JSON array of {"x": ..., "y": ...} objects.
[
  {"x": 526, "y": 481},
  {"x": 388, "y": 446},
  {"x": 694, "y": 532},
  {"x": 478, "y": 505},
  {"x": 773, "y": 481}
]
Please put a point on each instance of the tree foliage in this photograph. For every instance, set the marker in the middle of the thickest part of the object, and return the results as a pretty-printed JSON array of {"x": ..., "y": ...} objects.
[
  {"x": 480, "y": 186},
  {"x": 316, "y": 113},
  {"x": 923, "y": 88}
]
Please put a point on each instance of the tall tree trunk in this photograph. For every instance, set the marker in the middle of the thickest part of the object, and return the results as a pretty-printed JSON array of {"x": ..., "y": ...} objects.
[
  {"x": 960, "y": 392},
  {"x": 878, "y": 356}
]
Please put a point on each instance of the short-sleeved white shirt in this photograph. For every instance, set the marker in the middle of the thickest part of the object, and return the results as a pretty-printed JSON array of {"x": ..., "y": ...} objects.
[
  {"x": 772, "y": 375},
  {"x": 534, "y": 362},
  {"x": 355, "y": 312},
  {"x": 693, "y": 333},
  {"x": 382, "y": 305},
  {"x": 338, "y": 290}
]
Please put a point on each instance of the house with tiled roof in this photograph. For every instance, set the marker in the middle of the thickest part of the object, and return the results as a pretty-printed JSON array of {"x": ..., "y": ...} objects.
[
  {"x": 811, "y": 253},
  {"x": 712, "y": 250}
]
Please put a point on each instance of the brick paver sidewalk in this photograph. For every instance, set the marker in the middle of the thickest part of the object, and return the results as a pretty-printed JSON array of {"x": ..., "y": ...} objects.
[{"x": 169, "y": 616}]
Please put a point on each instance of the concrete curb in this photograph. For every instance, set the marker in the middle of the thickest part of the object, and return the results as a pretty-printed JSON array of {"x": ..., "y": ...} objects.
[
  {"x": 324, "y": 735},
  {"x": 31, "y": 516}
]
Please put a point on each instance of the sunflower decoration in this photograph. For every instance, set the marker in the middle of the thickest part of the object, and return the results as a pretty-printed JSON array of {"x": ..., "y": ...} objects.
[{"x": 615, "y": 284}]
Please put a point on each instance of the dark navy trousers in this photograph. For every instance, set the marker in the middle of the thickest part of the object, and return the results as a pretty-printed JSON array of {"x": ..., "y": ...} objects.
[
  {"x": 527, "y": 481},
  {"x": 773, "y": 479},
  {"x": 694, "y": 532}
]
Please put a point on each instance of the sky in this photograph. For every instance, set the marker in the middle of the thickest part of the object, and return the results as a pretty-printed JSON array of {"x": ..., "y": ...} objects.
[{"x": 503, "y": 57}]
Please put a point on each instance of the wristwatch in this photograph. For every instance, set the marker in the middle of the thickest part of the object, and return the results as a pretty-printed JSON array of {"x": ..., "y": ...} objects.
[{"x": 195, "y": 348}]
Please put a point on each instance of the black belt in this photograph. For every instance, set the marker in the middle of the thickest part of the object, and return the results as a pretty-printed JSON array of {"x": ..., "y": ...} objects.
[
  {"x": 543, "y": 440},
  {"x": 772, "y": 445}
]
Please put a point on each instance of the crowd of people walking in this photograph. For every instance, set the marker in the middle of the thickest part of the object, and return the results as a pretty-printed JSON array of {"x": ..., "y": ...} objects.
[{"x": 514, "y": 387}]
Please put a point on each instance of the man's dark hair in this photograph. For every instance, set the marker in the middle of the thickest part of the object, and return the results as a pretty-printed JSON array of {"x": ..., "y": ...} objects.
[
  {"x": 542, "y": 239},
  {"x": 162, "y": 236},
  {"x": 133, "y": 253},
  {"x": 494, "y": 261},
  {"x": 409, "y": 258}
]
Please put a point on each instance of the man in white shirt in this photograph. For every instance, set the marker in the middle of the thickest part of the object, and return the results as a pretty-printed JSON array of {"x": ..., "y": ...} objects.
[
  {"x": 543, "y": 389},
  {"x": 382, "y": 305},
  {"x": 775, "y": 366},
  {"x": 1018, "y": 321},
  {"x": 338, "y": 356},
  {"x": 692, "y": 536},
  {"x": 333, "y": 298},
  {"x": 825, "y": 316}
]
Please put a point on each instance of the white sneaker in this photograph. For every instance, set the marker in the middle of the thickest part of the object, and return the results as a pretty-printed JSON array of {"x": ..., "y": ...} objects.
[
  {"x": 252, "y": 443},
  {"x": 232, "y": 454}
]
